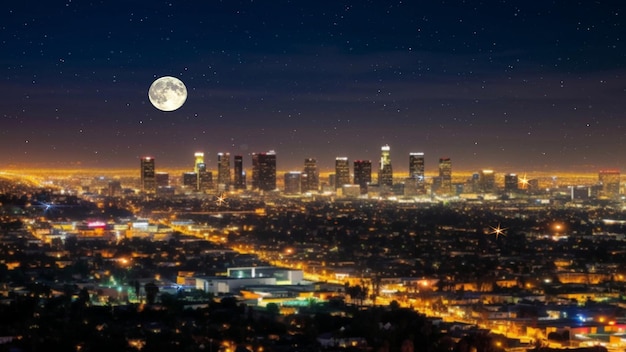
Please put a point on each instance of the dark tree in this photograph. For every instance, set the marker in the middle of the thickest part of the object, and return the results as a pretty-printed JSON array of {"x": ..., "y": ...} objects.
[{"x": 151, "y": 292}]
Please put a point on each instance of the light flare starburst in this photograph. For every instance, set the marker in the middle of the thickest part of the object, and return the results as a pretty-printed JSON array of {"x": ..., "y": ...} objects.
[
  {"x": 221, "y": 200},
  {"x": 524, "y": 181},
  {"x": 498, "y": 231}
]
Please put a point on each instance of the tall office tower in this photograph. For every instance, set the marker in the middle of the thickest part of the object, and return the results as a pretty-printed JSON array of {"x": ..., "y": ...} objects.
[
  {"x": 293, "y": 181},
  {"x": 342, "y": 172},
  {"x": 148, "y": 175},
  {"x": 303, "y": 182},
  {"x": 363, "y": 174},
  {"x": 199, "y": 159},
  {"x": 223, "y": 170},
  {"x": 204, "y": 178},
  {"x": 445, "y": 176},
  {"x": 487, "y": 181},
  {"x": 264, "y": 171},
  {"x": 473, "y": 184},
  {"x": 190, "y": 180},
  {"x": 198, "y": 166},
  {"x": 162, "y": 179},
  {"x": 240, "y": 176},
  {"x": 609, "y": 180},
  {"x": 416, "y": 172},
  {"x": 385, "y": 174},
  {"x": 312, "y": 180},
  {"x": 416, "y": 165},
  {"x": 511, "y": 183},
  {"x": 205, "y": 181},
  {"x": 255, "y": 171}
]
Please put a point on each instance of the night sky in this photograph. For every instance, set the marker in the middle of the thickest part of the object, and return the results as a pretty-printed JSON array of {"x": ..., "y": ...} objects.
[{"x": 517, "y": 86}]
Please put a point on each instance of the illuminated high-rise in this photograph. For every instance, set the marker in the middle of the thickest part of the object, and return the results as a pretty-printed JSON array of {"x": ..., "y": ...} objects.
[
  {"x": 255, "y": 171},
  {"x": 416, "y": 165},
  {"x": 609, "y": 180},
  {"x": 204, "y": 178},
  {"x": 511, "y": 183},
  {"x": 293, "y": 182},
  {"x": 445, "y": 176},
  {"x": 363, "y": 174},
  {"x": 342, "y": 172},
  {"x": 264, "y": 171},
  {"x": 198, "y": 166},
  {"x": 223, "y": 170},
  {"x": 487, "y": 181},
  {"x": 416, "y": 172},
  {"x": 148, "y": 175},
  {"x": 311, "y": 177},
  {"x": 198, "y": 159},
  {"x": 385, "y": 173},
  {"x": 190, "y": 180},
  {"x": 240, "y": 176}
]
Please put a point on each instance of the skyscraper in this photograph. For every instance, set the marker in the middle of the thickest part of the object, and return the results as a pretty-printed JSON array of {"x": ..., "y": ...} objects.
[
  {"x": 204, "y": 177},
  {"x": 511, "y": 183},
  {"x": 416, "y": 165},
  {"x": 342, "y": 172},
  {"x": 293, "y": 181},
  {"x": 264, "y": 171},
  {"x": 240, "y": 176},
  {"x": 445, "y": 176},
  {"x": 363, "y": 174},
  {"x": 487, "y": 181},
  {"x": 311, "y": 182},
  {"x": 199, "y": 159},
  {"x": 148, "y": 175},
  {"x": 416, "y": 172},
  {"x": 199, "y": 168},
  {"x": 223, "y": 170},
  {"x": 255, "y": 171},
  {"x": 385, "y": 174},
  {"x": 609, "y": 180},
  {"x": 190, "y": 180}
]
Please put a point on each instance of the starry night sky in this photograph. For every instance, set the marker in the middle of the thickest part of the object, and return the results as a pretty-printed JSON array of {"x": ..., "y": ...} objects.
[{"x": 516, "y": 86}]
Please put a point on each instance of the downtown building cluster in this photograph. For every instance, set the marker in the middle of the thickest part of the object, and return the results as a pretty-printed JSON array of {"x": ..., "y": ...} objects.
[
  {"x": 355, "y": 179},
  {"x": 264, "y": 175}
]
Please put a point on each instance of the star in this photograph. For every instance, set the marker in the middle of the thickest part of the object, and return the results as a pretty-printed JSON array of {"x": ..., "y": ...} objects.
[
  {"x": 498, "y": 231},
  {"x": 221, "y": 200}
]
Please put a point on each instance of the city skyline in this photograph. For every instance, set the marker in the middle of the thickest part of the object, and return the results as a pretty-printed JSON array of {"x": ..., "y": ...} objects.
[
  {"x": 360, "y": 172},
  {"x": 509, "y": 86}
]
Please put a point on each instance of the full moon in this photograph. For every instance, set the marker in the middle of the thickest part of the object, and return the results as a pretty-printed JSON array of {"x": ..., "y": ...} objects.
[{"x": 167, "y": 93}]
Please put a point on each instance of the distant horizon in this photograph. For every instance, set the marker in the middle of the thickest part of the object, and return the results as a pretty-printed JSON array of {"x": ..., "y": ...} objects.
[
  {"x": 135, "y": 171},
  {"x": 325, "y": 165}
]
